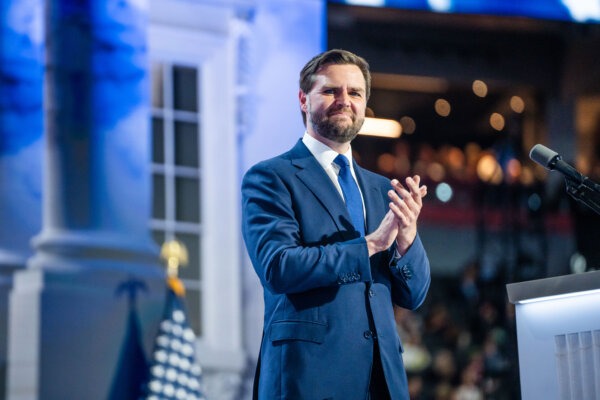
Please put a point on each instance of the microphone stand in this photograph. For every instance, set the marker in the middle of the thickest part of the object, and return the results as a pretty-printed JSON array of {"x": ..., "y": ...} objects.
[{"x": 584, "y": 191}]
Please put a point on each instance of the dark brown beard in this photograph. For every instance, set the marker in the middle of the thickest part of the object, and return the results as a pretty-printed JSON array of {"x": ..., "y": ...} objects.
[{"x": 334, "y": 132}]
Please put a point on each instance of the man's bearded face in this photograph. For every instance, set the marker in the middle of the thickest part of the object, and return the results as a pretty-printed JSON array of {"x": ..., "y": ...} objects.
[
  {"x": 329, "y": 124},
  {"x": 335, "y": 106}
]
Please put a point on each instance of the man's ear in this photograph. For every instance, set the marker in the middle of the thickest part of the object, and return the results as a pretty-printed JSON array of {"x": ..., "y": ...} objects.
[{"x": 303, "y": 101}]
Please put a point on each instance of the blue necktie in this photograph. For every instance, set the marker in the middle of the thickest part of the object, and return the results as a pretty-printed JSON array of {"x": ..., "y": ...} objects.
[{"x": 351, "y": 194}]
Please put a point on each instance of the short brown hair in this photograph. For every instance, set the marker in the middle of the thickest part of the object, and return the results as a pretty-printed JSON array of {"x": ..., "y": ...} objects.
[{"x": 334, "y": 56}]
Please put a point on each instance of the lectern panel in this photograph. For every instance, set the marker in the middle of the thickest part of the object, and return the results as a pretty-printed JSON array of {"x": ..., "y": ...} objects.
[{"x": 559, "y": 347}]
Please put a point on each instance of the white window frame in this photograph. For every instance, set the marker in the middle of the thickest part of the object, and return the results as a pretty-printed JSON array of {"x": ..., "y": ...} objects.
[
  {"x": 186, "y": 33},
  {"x": 169, "y": 169}
]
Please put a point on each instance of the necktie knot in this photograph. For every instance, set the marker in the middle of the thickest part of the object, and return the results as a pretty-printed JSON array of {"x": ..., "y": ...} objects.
[{"x": 342, "y": 161}]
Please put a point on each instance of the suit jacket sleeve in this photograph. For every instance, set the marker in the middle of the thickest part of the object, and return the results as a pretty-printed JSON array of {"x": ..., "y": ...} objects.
[
  {"x": 274, "y": 241},
  {"x": 410, "y": 276}
]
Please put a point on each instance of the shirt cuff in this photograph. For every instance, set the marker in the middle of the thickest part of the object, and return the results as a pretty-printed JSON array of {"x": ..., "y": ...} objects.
[
  {"x": 395, "y": 259},
  {"x": 397, "y": 255}
]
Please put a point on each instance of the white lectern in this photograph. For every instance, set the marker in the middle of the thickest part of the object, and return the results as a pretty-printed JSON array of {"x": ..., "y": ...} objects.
[{"x": 558, "y": 334}]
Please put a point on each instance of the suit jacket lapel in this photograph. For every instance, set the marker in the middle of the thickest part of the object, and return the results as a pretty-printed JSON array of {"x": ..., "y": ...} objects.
[
  {"x": 318, "y": 182},
  {"x": 374, "y": 202}
]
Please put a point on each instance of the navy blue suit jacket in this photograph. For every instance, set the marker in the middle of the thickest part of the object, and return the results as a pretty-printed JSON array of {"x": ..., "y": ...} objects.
[{"x": 324, "y": 297}]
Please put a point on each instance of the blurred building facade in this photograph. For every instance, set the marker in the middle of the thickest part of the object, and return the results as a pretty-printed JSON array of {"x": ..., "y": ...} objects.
[
  {"x": 149, "y": 114},
  {"x": 154, "y": 110}
]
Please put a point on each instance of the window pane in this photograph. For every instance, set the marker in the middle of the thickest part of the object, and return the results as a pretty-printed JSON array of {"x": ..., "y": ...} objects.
[
  {"x": 187, "y": 199},
  {"x": 192, "y": 243},
  {"x": 158, "y": 140},
  {"x": 193, "y": 301},
  {"x": 185, "y": 81},
  {"x": 186, "y": 144},
  {"x": 157, "y": 85},
  {"x": 159, "y": 237},
  {"x": 158, "y": 199}
]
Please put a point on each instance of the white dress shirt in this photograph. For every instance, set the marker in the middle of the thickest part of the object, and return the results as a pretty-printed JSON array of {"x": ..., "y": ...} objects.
[{"x": 325, "y": 156}]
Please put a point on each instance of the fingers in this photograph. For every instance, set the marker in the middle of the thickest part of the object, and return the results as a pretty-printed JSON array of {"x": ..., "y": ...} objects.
[
  {"x": 406, "y": 211},
  {"x": 400, "y": 214},
  {"x": 416, "y": 192},
  {"x": 412, "y": 198},
  {"x": 413, "y": 185},
  {"x": 401, "y": 190},
  {"x": 422, "y": 190},
  {"x": 407, "y": 208}
]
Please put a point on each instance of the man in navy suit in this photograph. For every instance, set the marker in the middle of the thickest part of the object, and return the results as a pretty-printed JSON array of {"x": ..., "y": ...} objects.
[{"x": 335, "y": 247}]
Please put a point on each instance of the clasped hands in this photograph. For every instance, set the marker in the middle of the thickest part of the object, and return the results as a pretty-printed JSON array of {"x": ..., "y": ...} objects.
[{"x": 400, "y": 222}]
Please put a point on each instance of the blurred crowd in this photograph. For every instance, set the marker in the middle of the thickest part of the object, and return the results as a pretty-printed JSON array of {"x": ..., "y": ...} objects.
[
  {"x": 501, "y": 162},
  {"x": 461, "y": 344}
]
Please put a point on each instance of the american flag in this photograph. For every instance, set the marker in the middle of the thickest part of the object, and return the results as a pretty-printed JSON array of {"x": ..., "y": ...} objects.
[{"x": 173, "y": 373}]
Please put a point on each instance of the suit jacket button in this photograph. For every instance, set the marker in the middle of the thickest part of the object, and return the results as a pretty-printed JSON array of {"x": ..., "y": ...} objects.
[
  {"x": 371, "y": 293},
  {"x": 367, "y": 334},
  {"x": 406, "y": 272}
]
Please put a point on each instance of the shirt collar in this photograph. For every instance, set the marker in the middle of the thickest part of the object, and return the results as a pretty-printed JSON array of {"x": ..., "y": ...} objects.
[{"x": 323, "y": 153}]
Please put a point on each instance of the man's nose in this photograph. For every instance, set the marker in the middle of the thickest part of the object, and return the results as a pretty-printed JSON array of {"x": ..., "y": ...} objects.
[{"x": 342, "y": 99}]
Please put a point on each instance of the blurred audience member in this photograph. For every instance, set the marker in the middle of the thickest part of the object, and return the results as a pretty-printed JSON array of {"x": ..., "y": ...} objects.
[{"x": 462, "y": 346}]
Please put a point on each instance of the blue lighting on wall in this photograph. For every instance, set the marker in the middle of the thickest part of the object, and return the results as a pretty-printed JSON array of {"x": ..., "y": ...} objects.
[{"x": 567, "y": 10}]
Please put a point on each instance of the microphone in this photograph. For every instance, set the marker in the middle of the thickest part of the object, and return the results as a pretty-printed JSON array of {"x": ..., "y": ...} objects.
[
  {"x": 551, "y": 160},
  {"x": 579, "y": 186}
]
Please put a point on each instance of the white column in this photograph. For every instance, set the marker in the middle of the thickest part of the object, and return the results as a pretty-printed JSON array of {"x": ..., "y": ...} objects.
[
  {"x": 21, "y": 141},
  {"x": 68, "y": 310}
]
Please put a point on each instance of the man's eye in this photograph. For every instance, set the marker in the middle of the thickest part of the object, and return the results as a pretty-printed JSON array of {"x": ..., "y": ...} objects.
[
  {"x": 355, "y": 94},
  {"x": 329, "y": 91}
]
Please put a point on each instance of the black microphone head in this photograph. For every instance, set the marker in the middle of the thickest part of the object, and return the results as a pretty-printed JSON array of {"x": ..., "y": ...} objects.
[{"x": 543, "y": 155}]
